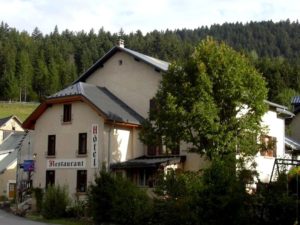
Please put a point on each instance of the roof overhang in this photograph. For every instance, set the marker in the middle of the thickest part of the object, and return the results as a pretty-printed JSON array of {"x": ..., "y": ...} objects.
[
  {"x": 292, "y": 145},
  {"x": 29, "y": 123},
  {"x": 281, "y": 110},
  {"x": 138, "y": 56}
]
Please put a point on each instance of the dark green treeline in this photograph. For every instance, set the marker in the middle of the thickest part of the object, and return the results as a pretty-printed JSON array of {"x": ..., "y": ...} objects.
[{"x": 35, "y": 65}]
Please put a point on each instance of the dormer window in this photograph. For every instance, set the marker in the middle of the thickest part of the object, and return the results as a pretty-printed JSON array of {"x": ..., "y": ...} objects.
[{"x": 67, "y": 116}]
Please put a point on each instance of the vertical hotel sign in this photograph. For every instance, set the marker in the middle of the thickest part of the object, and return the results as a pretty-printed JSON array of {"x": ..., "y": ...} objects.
[{"x": 94, "y": 146}]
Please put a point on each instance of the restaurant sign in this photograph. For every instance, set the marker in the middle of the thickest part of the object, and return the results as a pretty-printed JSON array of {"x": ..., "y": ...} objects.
[{"x": 66, "y": 163}]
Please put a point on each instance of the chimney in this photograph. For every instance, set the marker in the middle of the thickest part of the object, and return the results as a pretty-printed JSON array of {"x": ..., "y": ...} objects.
[{"x": 121, "y": 43}]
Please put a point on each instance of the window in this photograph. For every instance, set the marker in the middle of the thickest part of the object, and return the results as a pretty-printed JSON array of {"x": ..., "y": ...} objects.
[
  {"x": 153, "y": 150},
  {"x": 268, "y": 146},
  {"x": 81, "y": 180},
  {"x": 51, "y": 145},
  {"x": 67, "y": 117},
  {"x": 146, "y": 177},
  {"x": 82, "y": 143},
  {"x": 160, "y": 149},
  {"x": 153, "y": 107},
  {"x": 50, "y": 177}
]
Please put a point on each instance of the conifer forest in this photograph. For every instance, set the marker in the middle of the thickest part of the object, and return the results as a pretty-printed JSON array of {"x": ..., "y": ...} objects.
[{"x": 36, "y": 65}]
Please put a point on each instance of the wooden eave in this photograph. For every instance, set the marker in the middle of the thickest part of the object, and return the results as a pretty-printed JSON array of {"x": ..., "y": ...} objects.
[{"x": 122, "y": 124}]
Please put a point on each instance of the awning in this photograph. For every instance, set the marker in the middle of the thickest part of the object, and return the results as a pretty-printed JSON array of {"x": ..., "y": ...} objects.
[{"x": 148, "y": 162}]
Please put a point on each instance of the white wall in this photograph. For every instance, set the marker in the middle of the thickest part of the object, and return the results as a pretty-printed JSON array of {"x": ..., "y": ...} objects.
[
  {"x": 133, "y": 82},
  {"x": 115, "y": 143},
  {"x": 275, "y": 128}
]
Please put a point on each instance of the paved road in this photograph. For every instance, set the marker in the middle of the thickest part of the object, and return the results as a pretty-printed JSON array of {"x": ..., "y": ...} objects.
[{"x": 10, "y": 219}]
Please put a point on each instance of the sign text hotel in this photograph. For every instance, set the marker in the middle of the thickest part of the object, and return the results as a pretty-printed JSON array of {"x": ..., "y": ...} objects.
[
  {"x": 66, "y": 163},
  {"x": 94, "y": 146}
]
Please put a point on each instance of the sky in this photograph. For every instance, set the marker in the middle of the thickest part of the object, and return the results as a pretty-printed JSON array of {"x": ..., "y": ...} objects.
[{"x": 143, "y": 15}]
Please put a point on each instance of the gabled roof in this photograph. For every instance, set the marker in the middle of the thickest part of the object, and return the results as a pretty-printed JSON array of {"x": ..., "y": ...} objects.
[
  {"x": 100, "y": 98},
  {"x": 156, "y": 63},
  {"x": 6, "y": 119},
  {"x": 11, "y": 145}
]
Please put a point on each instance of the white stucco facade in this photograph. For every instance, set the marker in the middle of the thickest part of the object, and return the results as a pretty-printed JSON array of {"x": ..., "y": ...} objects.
[
  {"x": 274, "y": 125},
  {"x": 134, "y": 82}
]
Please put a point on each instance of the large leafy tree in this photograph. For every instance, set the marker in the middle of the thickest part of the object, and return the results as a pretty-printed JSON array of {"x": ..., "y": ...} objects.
[{"x": 214, "y": 103}]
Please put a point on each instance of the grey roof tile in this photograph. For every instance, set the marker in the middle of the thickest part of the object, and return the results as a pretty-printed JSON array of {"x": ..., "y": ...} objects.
[
  {"x": 295, "y": 100},
  {"x": 104, "y": 100},
  {"x": 9, "y": 159},
  {"x": 13, "y": 141},
  {"x": 11, "y": 145},
  {"x": 160, "y": 64}
]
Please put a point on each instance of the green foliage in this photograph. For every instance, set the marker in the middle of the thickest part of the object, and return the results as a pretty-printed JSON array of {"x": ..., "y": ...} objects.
[
  {"x": 213, "y": 102},
  {"x": 177, "y": 191},
  {"x": 21, "y": 110},
  {"x": 214, "y": 196},
  {"x": 55, "y": 202},
  {"x": 37, "y": 65},
  {"x": 223, "y": 198},
  {"x": 285, "y": 95},
  {"x": 77, "y": 209},
  {"x": 117, "y": 200},
  {"x": 38, "y": 195},
  {"x": 280, "y": 206}
]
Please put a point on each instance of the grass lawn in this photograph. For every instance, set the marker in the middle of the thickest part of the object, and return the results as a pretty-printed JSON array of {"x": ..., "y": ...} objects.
[
  {"x": 21, "y": 110},
  {"x": 65, "y": 221}
]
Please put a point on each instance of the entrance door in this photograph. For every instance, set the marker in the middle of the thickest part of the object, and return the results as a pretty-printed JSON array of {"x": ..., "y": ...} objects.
[
  {"x": 11, "y": 190},
  {"x": 50, "y": 177}
]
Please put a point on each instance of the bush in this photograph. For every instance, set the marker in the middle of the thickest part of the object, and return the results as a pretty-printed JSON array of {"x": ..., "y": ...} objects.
[
  {"x": 78, "y": 209},
  {"x": 117, "y": 200},
  {"x": 55, "y": 202},
  {"x": 215, "y": 196},
  {"x": 280, "y": 206},
  {"x": 38, "y": 194}
]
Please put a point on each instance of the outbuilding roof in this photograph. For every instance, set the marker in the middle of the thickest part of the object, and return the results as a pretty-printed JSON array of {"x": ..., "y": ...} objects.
[
  {"x": 292, "y": 144},
  {"x": 156, "y": 63},
  {"x": 295, "y": 100},
  {"x": 11, "y": 146},
  {"x": 6, "y": 119},
  {"x": 13, "y": 141},
  {"x": 280, "y": 109}
]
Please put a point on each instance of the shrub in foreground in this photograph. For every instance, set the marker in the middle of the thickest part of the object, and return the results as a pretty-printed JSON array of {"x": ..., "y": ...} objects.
[
  {"x": 117, "y": 200},
  {"x": 55, "y": 202}
]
